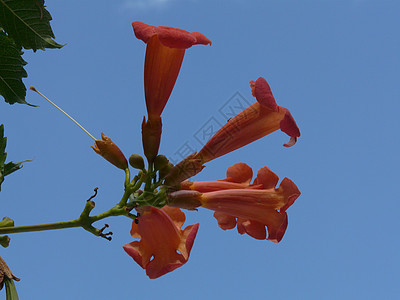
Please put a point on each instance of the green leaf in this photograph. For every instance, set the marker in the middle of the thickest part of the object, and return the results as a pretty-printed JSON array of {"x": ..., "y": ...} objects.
[
  {"x": 7, "y": 222},
  {"x": 11, "y": 71},
  {"x": 11, "y": 291},
  {"x": 4, "y": 241},
  {"x": 10, "y": 167},
  {"x": 28, "y": 23}
]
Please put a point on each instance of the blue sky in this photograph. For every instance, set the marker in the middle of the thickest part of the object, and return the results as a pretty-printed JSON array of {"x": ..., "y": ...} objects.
[{"x": 334, "y": 64}]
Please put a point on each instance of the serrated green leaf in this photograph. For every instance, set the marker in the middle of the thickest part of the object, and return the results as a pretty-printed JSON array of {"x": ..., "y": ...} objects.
[
  {"x": 11, "y": 71},
  {"x": 28, "y": 23},
  {"x": 10, "y": 167},
  {"x": 3, "y": 143}
]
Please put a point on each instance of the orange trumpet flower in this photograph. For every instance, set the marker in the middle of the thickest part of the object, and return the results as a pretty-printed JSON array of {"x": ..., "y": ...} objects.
[
  {"x": 161, "y": 239},
  {"x": 250, "y": 208},
  {"x": 164, "y": 55},
  {"x": 253, "y": 123}
]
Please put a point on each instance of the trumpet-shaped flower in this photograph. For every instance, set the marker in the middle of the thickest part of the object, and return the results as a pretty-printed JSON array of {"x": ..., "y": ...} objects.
[
  {"x": 238, "y": 176},
  {"x": 164, "y": 55},
  {"x": 110, "y": 152},
  {"x": 253, "y": 123},
  {"x": 164, "y": 246},
  {"x": 250, "y": 208}
]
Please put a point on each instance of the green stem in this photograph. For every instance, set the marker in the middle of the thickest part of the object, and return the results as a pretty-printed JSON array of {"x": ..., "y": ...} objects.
[
  {"x": 84, "y": 221},
  {"x": 149, "y": 179},
  {"x": 130, "y": 190},
  {"x": 127, "y": 176},
  {"x": 41, "y": 227}
]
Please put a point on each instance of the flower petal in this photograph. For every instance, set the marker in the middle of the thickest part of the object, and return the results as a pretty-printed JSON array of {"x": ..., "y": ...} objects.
[
  {"x": 201, "y": 39},
  {"x": 288, "y": 125},
  {"x": 175, "y": 37},
  {"x": 161, "y": 69},
  {"x": 169, "y": 36},
  {"x": 267, "y": 178},
  {"x": 225, "y": 221},
  {"x": 240, "y": 173},
  {"x": 277, "y": 224},
  {"x": 290, "y": 192},
  {"x": 161, "y": 239},
  {"x": 133, "y": 250},
  {"x": 262, "y": 91},
  {"x": 253, "y": 228},
  {"x": 143, "y": 31}
]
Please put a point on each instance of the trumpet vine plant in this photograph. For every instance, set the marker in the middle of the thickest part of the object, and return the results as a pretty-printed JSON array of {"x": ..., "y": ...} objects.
[{"x": 156, "y": 195}]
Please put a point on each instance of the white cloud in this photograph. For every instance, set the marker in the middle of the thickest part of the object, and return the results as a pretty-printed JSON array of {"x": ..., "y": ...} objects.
[{"x": 145, "y": 4}]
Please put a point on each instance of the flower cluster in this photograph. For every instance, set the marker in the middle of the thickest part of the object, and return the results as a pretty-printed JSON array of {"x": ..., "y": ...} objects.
[{"x": 256, "y": 207}]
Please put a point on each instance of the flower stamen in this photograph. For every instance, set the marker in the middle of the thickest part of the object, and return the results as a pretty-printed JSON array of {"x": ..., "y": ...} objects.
[{"x": 32, "y": 88}]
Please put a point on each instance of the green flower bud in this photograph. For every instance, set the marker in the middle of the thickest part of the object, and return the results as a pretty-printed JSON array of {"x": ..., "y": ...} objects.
[
  {"x": 165, "y": 170},
  {"x": 136, "y": 161},
  {"x": 160, "y": 162}
]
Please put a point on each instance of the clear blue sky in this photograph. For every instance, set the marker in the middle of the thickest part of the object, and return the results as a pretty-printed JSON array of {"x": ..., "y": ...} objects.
[{"x": 334, "y": 64}]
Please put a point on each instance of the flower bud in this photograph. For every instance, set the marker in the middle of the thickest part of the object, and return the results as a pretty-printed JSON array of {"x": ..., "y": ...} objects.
[
  {"x": 136, "y": 161},
  {"x": 110, "y": 152},
  {"x": 151, "y": 136},
  {"x": 160, "y": 162},
  {"x": 165, "y": 170}
]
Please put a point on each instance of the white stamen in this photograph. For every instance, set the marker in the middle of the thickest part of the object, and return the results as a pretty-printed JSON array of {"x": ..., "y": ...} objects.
[{"x": 55, "y": 105}]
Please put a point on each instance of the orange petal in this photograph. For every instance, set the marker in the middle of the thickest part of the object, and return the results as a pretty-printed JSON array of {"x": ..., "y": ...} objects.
[
  {"x": 267, "y": 178},
  {"x": 201, "y": 39},
  {"x": 262, "y": 91},
  {"x": 290, "y": 193},
  {"x": 276, "y": 224},
  {"x": 225, "y": 221},
  {"x": 161, "y": 69},
  {"x": 288, "y": 125},
  {"x": 175, "y": 37},
  {"x": 253, "y": 228},
  {"x": 143, "y": 31},
  {"x": 240, "y": 173},
  {"x": 161, "y": 239},
  {"x": 169, "y": 36}
]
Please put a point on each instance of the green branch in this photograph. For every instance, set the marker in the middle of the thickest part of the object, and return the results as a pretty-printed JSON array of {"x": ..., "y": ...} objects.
[
  {"x": 85, "y": 221},
  {"x": 150, "y": 196}
]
